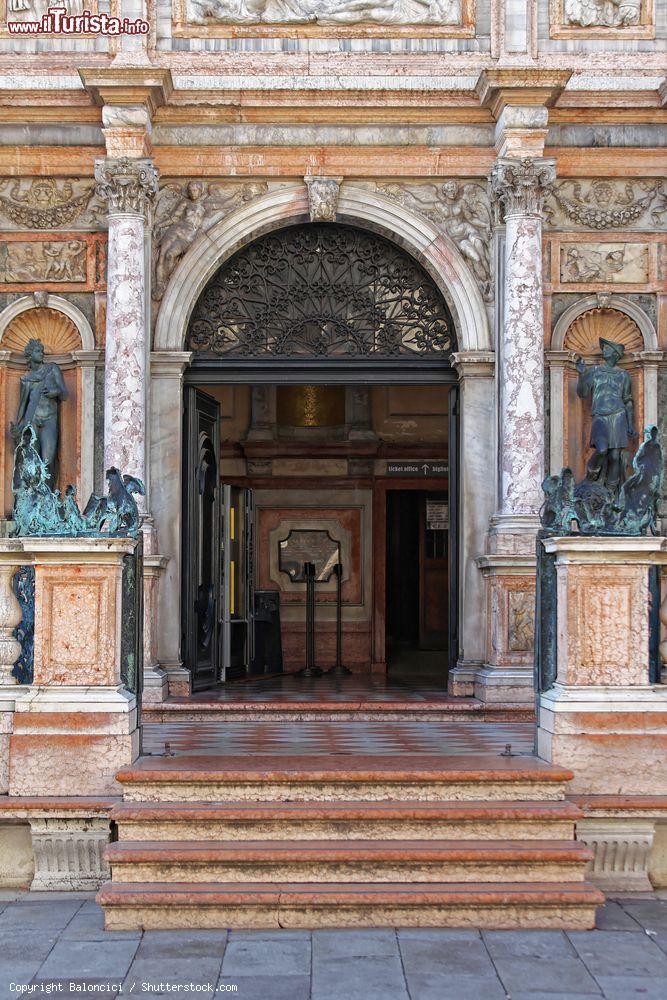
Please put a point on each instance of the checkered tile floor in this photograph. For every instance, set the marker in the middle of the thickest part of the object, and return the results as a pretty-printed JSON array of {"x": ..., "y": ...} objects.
[{"x": 232, "y": 738}]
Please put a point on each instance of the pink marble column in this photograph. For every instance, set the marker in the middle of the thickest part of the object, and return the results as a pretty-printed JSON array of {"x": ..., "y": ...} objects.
[
  {"x": 128, "y": 186},
  {"x": 519, "y": 187}
]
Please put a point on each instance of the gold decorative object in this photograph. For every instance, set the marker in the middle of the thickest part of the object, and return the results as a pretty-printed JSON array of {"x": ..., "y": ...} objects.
[
  {"x": 584, "y": 334},
  {"x": 311, "y": 406},
  {"x": 56, "y": 331}
]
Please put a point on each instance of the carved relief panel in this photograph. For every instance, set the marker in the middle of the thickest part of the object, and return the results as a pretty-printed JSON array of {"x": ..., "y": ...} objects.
[
  {"x": 581, "y": 262},
  {"x": 67, "y": 262},
  {"x": 602, "y": 19},
  {"x": 358, "y": 18}
]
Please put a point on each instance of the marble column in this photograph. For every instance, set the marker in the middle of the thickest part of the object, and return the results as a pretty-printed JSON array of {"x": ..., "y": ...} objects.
[
  {"x": 128, "y": 186},
  {"x": 519, "y": 187}
]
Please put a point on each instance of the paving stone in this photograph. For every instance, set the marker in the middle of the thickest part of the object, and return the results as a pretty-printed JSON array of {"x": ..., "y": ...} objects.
[
  {"x": 268, "y": 933},
  {"x": 267, "y": 987},
  {"x": 619, "y": 953},
  {"x": 632, "y": 987},
  {"x": 555, "y": 996},
  {"x": 16, "y": 970},
  {"x": 40, "y": 914},
  {"x": 19, "y": 943},
  {"x": 429, "y": 986},
  {"x": 650, "y": 913},
  {"x": 354, "y": 943},
  {"x": 183, "y": 945},
  {"x": 443, "y": 934},
  {"x": 612, "y": 917},
  {"x": 98, "y": 959},
  {"x": 160, "y": 976},
  {"x": 88, "y": 925},
  {"x": 266, "y": 957},
  {"x": 378, "y": 978},
  {"x": 530, "y": 944},
  {"x": 459, "y": 956},
  {"x": 525, "y": 960}
]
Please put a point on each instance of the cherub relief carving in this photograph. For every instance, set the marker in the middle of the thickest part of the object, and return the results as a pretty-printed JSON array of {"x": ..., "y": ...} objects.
[
  {"x": 462, "y": 210},
  {"x": 186, "y": 209}
]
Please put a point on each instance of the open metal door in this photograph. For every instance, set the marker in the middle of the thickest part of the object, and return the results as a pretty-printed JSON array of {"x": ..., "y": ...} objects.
[
  {"x": 201, "y": 539},
  {"x": 236, "y": 583}
]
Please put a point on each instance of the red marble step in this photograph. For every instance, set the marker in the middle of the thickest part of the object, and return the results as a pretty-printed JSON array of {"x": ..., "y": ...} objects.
[
  {"x": 370, "y": 810},
  {"x": 510, "y": 905},
  {"x": 353, "y": 851},
  {"x": 415, "y": 768},
  {"x": 449, "y": 893}
]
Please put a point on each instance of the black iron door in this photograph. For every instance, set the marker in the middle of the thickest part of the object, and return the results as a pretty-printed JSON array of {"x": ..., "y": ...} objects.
[{"x": 201, "y": 538}]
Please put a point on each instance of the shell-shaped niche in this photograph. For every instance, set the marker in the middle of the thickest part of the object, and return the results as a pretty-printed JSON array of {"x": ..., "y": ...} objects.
[
  {"x": 584, "y": 334},
  {"x": 56, "y": 331}
]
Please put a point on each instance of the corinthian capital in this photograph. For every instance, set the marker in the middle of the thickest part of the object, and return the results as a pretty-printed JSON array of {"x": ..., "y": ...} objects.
[
  {"x": 520, "y": 186},
  {"x": 128, "y": 186}
]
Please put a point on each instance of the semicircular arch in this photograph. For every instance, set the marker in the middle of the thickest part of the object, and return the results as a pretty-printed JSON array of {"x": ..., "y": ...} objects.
[{"x": 432, "y": 249}]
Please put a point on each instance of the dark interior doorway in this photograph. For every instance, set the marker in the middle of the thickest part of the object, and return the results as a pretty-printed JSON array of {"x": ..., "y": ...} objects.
[{"x": 417, "y": 599}]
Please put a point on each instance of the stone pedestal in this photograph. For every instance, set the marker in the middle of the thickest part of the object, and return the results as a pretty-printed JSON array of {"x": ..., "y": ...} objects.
[
  {"x": 76, "y": 724},
  {"x": 507, "y": 677},
  {"x": 603, "y": 717}
]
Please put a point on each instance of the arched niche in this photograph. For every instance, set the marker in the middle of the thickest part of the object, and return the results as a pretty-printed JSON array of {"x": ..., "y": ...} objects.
[
  {"x": 70, "y": 343},
  {"x": 577, "y": 333}
]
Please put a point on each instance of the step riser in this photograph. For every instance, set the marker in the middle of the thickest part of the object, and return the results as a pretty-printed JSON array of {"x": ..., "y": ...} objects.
[
  {"x": 568, "y": 917},
  {"x": 360, "y": 872},
  {"x": 345, "y": 830},
  {"x": 343, "y": 791}
]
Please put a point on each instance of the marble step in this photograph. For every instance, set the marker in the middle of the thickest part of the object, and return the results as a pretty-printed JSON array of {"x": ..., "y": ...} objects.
[
  {"x": 239, "y": 821},
  {"x": 153, "y": 906},
  {"x": 351, "y": 709},
  {"x": 354, "y": 861},
  {"x": 413, "y": 777}
]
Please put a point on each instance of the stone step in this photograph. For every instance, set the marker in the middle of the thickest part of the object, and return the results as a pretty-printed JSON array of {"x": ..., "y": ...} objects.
[
  {"x": 151, "y": 906},
  {"x": 350, "y": 709},
  {"x": 427, "y": 777},
  {"x": 238, "y": 821},
  {"x": 358, "y": 861}
]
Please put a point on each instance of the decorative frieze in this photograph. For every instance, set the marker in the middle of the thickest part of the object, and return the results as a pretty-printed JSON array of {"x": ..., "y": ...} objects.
[
  {"x": 323, "y": 193},
  {"x": 521, "y": 186},
  {"x": 598, "y": 204},
  {"x": 50, "y": 203},
  {"x": 69, "y": 853},
  {"x": 127, "y": 186},
  {"x": 184, "y": 210},
  {"x": 622, "y": 848},
  {"x": 462, "y": 210}
]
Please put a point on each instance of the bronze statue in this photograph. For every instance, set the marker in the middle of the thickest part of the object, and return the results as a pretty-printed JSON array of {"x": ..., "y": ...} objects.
[
  {"x": 613, "y": 414},
  {"x": 42, "y": 387}
]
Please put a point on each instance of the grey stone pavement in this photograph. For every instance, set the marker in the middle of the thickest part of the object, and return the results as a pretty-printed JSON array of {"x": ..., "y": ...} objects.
[{"x": 51, "y": 940}]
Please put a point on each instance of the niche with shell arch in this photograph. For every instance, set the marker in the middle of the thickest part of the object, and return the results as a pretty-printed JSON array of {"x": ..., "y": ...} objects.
[
  {"x": 69, "y": 342},
  {"x": 571, "y": 416}
]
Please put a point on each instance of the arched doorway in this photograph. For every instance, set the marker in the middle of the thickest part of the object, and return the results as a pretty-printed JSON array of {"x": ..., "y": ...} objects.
[{"x": 319, "y": 323}]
